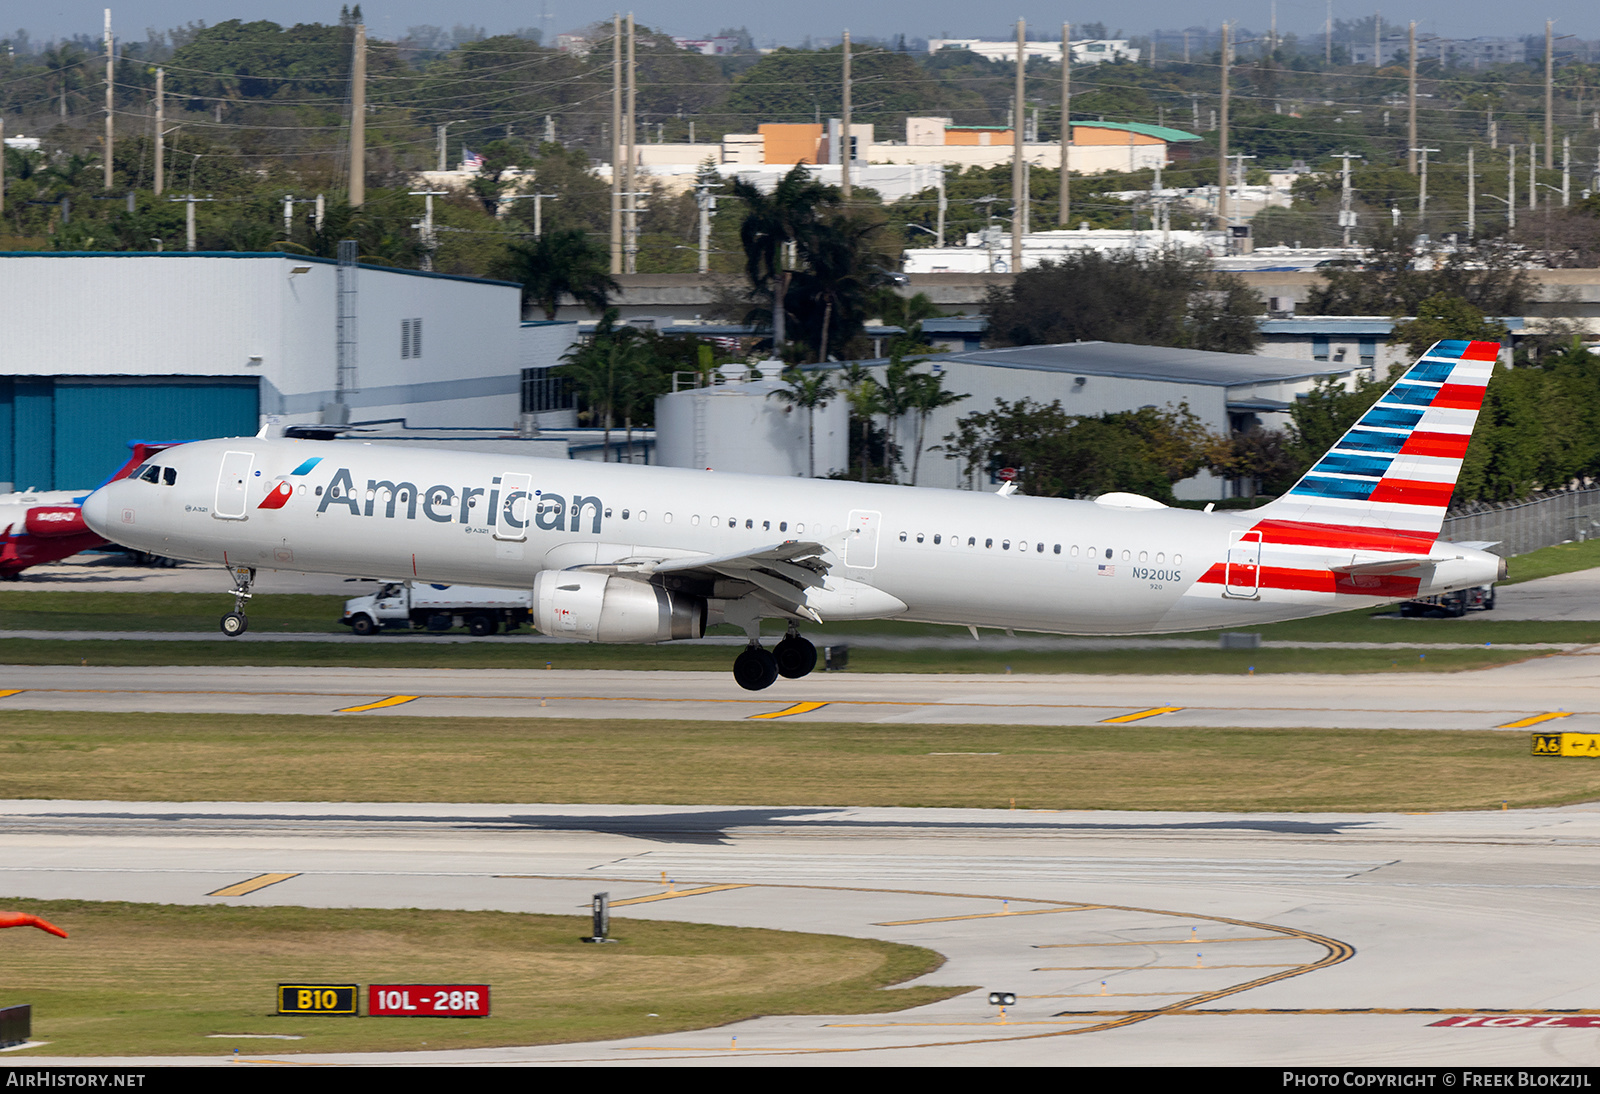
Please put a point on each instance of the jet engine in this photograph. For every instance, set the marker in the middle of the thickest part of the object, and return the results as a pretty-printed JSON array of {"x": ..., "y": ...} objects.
[{"x": 598, "y": 607}]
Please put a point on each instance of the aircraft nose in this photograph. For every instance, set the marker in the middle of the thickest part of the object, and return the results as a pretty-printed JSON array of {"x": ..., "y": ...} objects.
[{"x": 97, "y": 512}]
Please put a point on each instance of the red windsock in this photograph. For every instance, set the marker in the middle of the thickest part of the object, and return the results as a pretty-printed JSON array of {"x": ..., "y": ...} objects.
[{"x": 23, "y": 919}]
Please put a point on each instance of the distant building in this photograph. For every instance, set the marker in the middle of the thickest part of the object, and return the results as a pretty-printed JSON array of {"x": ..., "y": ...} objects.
[
  {"x": 710, "y": 47},
  {"x": 1088, "y": 51},
  {"x": 1458, "y": 52}
]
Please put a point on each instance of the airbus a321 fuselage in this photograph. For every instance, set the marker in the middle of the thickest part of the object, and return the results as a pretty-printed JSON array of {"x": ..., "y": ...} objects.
[{"x": 619, "y": 553}]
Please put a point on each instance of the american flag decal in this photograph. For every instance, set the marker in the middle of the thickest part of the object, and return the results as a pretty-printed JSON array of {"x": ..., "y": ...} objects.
[{"x": 1106, "y": 571}]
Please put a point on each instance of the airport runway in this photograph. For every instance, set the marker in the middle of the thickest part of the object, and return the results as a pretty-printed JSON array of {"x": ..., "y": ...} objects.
[
  {"x": 1554, "y": 691},
  {"x": 1130, "y": 938}
]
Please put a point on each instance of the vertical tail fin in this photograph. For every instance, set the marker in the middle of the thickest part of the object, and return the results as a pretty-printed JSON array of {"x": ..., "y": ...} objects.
[{"x": 1395, "y": 470}]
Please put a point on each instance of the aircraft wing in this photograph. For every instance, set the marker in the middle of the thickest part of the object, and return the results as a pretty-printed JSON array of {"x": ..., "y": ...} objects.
[{"x": 780, "y": 573}]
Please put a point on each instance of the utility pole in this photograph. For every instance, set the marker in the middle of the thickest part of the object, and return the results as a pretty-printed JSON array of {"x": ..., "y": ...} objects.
[
  {"x": 1549, "y": 95},
  {"x": 188, "y": 216},
  {"x": 3, "y": 166},
  {"x": 1511, "y": 186},
  {"x": 1533, "y": 178},
  {"x": 616, "y": 144},
  {"x": 161, "y": 130},
  {"x": 846, "y": 148},
  {"x": 444, "y": 157},
  {"x": 1377, "y": 40},
  {"x": 1422, "y": 194},
  {"x": 430, "y": 241},
  {"x": 630, "y": 197},
  {"x": 1327, "y": 37},
  {"x": 1347, "y": 215},
  {"x": 1222, "y": 140},
  {"x": 1065, "y": 212},
  {"x": 707, "y": 203},
  {"x": 944, "y": 206},
  {"x": 1019, "y": 164},
  {"x": 1566, "y": 171},
  {"x": 1411, "y": 103},
  {"x": 111, "y": 86},
  {"x": 358, "y": 119},
  {"x": 1472, "y": 194}
]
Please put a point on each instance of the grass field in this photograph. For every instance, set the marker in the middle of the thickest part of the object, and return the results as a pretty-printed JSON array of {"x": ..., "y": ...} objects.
[
  {"x": 159, "y": 979},
  {"x": 156, "y": 757}
]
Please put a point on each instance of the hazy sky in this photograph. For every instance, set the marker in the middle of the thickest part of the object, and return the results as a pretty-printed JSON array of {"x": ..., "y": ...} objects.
[{"x": 787, "y": 25}]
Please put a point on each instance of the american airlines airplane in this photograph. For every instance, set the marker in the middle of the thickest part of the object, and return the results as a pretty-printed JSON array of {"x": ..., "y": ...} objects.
[{"x": 620, "y": 553}]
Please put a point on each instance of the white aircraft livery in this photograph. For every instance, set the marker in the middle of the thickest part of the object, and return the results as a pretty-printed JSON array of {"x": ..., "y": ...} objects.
[{"x": 623, "y": 553}]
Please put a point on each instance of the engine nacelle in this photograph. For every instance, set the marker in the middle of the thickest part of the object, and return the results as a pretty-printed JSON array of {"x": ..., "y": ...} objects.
[{"x": 597, "y": 607}]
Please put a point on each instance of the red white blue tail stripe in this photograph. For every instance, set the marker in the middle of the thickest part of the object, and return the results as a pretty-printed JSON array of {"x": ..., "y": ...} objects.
[
  {"x": 1383, "y": 490},
  {"x": 1397, "y": 467}
]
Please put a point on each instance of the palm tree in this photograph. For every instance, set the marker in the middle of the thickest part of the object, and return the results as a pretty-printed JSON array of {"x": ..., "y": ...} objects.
[
  {"x": 65, "y": 65},
  {"x": 836, "y": 283},
  {"x": 775, "y": 223},
  {"x": 809, "y": 391},
  {"x": 604, "y": 369},
  {"x": 927, "y": 394},
  {"x": 557, "y": 264},
  {"x": 862, "y": 391},
  {"x": 894, "y": 401}
]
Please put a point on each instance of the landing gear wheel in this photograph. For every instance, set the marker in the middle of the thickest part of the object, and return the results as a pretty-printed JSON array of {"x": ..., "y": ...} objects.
[
  {"x": 755, "y": 669},
  {"x": 796, "y": 657},
  {"x": 234, "y": 624},
  {"x": 480, "y": 625}
]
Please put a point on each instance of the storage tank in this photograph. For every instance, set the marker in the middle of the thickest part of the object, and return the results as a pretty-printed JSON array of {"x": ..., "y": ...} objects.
[{"x": 743, "y": 425}]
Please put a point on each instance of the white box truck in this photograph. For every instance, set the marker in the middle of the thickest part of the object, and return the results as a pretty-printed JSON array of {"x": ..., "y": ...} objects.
[{"x": 403, "y": 606}]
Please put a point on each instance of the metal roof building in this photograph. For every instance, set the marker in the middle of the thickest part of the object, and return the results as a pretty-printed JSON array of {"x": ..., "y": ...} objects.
[
  {"x": 1226, "y": 391},
  {"x": 103, "y": 348}
]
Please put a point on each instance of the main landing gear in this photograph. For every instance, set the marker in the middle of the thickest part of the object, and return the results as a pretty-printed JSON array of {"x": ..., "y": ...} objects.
[
  {"x": 236, "y": 622},
  {"x": 791, "y": 658}
]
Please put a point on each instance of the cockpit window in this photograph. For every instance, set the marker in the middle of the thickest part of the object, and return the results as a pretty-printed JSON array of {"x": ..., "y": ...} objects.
[
  {"x": 151, "y": 474},
  {"x": 169, "y": 475}
]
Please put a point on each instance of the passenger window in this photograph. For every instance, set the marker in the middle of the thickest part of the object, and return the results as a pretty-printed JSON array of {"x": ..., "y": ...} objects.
[
  {"x": 1090, "y": 552},
  {"x": 1058, "y": 548},
  {"x": 695, "y": 520},
  {"x": 1074, "y": 551},
  {"x": 624, "y": 514},
  {"x": 972, "y": 541},
  {"x": 1177, "y": 559},
  {"x": 1108, "y": 552},
  {"x": 919, "y": 537},
  {"x": 716, "y": 522},
  {"x": 988, "y": 543},
  {"x": 1039, "y": 550},
  {"x": 1160, "y": 557},
  {"x": 749, "y": 523},
  {"x": 666, "y": 518},
  {"x": 902, "y": 537},
  {"x": 1144, "y": 556},
  {"x": 1005, "y": 546},
  {"x": 1125, "y": 555},
  {"x": 608, "y": 513},
  {"x": 783, "y": 526},
  {"x": 766, "y": 526},
  {"x": 935, "y": 540},
  {"x": 800, "y": 528},
  {"x": 170, "y": 476},
  {"x": 643, "y": 515}
]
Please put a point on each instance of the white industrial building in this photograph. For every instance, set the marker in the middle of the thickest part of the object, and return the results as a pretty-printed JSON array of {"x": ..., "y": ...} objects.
[
  {"x": 103, "y": 348},
  {"x": 1226, "y": 391}
]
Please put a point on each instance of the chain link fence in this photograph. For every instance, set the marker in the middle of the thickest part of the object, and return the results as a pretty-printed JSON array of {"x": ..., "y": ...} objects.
[{"x": 1516, "y": 528}]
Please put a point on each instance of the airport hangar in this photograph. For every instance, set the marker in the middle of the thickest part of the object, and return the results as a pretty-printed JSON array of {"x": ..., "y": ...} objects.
[
  {"x": 1226, "y": 391},
  {"x": 104, "y": 348}
]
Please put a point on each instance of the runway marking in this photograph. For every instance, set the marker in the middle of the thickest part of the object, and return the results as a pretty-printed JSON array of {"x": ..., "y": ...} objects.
[
  {"x": 1141, "y": 968},
  {"x": 1139, "y": 716},
  {"x": 674, "y": 895},
  {"x": 250, "y": 885},
  {"x": 391, "y": 701},
  {"x": 1161, "y": 942},
  {"x": 1330, "y": 1010},
  {"x": 914, "y": 704},
  {"x": 982, "y": 915},
  {"x": 798, "y": 708},
  {"x": 1536, "y": 719}
]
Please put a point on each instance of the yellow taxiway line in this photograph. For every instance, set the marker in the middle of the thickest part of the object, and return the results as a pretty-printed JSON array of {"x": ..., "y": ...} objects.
[
  {"x": 391, "y": 701},
  {"x": 13, "y": 691},
  {"x": 980, "y": 915},
  {"x": 798, "y": 708},
  {"x": 674, "y": 895},
  {"x": 1167, "y": 942},
  {"x": 260, "y": 881},
  {"x": 1139, "y": 716},
  {"x": 1536, "y": 719}
]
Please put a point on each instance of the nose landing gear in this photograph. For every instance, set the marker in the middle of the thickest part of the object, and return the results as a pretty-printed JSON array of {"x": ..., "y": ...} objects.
[{"x": 236, "y": 622}]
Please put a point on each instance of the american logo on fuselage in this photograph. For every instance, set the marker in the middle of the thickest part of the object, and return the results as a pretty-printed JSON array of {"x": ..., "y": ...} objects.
[{"x": 446, "y": 504}]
